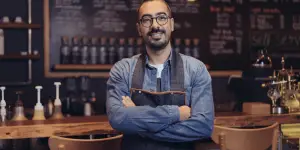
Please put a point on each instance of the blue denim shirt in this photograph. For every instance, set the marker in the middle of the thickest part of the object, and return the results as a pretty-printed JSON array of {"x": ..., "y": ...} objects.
[{"x": 162, "y": 122}]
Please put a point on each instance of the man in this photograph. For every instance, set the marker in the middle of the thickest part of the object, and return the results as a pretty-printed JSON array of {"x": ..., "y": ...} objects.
[{"x": 159, "y": 99}]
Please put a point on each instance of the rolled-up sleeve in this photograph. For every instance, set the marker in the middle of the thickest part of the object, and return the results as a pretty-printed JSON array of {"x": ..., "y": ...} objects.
[
  {"x": 134, "y": 119},
  {"x": 200, "y": 125}
]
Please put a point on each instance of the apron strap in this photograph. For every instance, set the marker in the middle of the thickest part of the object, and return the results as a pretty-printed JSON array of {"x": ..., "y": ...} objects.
[
  {"x": 139, "y": 73},
  {"x": 177, "y": 72}
]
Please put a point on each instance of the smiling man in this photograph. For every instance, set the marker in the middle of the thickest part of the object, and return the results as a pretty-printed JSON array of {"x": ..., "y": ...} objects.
[{"x": 159, "y": 99}]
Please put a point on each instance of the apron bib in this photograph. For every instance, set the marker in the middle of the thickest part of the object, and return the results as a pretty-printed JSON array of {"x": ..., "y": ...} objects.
[{"x": 140, "y": 97}]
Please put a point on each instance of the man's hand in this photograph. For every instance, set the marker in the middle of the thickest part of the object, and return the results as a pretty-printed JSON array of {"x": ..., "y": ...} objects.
[
  {"x": 127, "y": 101},
  {"x": 185, "y": 112}
]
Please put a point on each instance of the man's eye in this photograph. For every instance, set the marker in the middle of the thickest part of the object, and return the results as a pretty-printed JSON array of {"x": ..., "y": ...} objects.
[
  {"x": 146, "y": 20},
  {"x": 162, "y": 18}
]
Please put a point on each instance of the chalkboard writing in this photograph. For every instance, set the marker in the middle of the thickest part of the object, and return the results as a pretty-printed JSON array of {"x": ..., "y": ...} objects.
[
  {"x": 223, "y": 32},
  {"x": 226, "y": 36},
  {"x": 276, "y": 27}
]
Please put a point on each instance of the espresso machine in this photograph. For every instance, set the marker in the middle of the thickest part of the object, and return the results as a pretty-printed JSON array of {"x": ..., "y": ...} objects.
[
  {"x": 283, "y": 90},
  {"x": 262, "y": 82}
]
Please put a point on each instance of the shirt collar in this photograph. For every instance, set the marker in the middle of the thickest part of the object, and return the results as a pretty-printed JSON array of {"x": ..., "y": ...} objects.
[{"x": 169, "y": 60}]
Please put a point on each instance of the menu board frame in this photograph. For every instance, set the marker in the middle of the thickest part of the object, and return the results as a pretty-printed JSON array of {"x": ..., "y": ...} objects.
[{"x": 50, "y": 73}]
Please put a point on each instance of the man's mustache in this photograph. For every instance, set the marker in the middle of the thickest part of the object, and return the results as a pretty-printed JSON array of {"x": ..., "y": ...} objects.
[{"x": 156, "y": 30}]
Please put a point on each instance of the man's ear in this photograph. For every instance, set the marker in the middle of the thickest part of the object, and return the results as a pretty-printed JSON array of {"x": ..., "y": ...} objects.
[
  {"x": 138, "y": 29},
  {"x": 172, "y": 24}
]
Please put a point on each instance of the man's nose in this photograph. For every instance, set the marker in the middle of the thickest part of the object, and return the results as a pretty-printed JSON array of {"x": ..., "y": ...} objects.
[{"x": 155, "y": 24}]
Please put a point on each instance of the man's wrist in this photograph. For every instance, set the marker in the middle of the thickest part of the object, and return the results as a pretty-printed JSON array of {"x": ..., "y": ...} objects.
[{"x": 174, "y": 113}]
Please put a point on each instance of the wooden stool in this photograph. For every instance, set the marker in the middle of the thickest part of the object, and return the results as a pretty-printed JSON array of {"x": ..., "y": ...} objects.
[
  {"x": 246, "y": 139},
  {"x": 62, "y": 143}
]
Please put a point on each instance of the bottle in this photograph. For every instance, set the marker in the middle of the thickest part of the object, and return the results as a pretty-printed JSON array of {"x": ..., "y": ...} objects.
[
  {"x": 139, "y": 46},
  {"x": 103, "y": 51},
  {"x": 121, "y": 48},
  {"x": 90, "y": 105},
  {"x": 84, "y": 51},
  {"x": 196, "y": 49},
  {"x": 177, "y": 45},
  {"x": 130, "y": 50},
  {"x": 93, "y": 51},
  {"x": 187, "y": 48},
  {"x": 111, "y": 51},
  {"x": 84, "y": 88},
  {"x": 1, "y": 42},
  {"x": 93, "y": 100},
  {"x": 49, "y": 109},
  {"x": 87, "y": 108},
  {"x": 75, "y": 51},
  {"x": 65, "y": 51}
]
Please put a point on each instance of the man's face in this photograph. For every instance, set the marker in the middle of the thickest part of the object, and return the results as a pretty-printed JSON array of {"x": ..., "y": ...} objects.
[{"x": 155, "y": 25}]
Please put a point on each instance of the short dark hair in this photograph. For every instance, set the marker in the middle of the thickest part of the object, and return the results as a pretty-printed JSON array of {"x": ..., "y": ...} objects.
[{"x": 144, "y": 1}]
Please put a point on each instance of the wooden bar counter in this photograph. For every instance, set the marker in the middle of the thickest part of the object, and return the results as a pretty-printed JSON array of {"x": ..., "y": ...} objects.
[
  {"x": 67, "y": 126},
  {"x": 100, "y": 124},
  {"x": 235, "y": 119}
]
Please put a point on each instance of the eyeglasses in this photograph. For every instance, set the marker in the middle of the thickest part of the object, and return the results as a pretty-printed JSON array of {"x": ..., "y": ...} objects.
[{"x": 147, "y": 21}]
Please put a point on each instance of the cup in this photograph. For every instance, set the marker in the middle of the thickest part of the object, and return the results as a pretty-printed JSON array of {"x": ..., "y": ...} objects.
[
  {"x": 18, "y": 19},
  {"x": 5, "y": 19}
]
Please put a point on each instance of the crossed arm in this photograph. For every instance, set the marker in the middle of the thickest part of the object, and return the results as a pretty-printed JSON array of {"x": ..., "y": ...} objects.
[{"x": 162, "y": 122}]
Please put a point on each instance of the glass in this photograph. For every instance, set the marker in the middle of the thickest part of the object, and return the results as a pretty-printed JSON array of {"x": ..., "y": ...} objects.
[
  {"x": 273, "y": 94},
  {"x": 147, "y": 21}
]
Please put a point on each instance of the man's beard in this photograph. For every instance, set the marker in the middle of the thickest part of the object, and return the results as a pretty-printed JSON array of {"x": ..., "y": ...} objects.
[{"x": 159, "y": 44}]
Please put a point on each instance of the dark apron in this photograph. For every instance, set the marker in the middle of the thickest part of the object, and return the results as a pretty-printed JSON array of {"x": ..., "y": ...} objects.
[{"x": 176, "y": 96}]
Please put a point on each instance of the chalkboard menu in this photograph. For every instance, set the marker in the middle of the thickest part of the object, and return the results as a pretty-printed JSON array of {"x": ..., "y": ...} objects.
[
  {"x": 228, "y": 32},
  {"x": 276, "y": 25}
]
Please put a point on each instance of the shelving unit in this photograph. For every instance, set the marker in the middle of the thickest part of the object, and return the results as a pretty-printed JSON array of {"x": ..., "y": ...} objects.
[
  {"x": 29, "y": 56},
  {"x": 19, "y": 57},
  {"x": 63, "y": 70},
  {"x": 19, "y": 26},
  {"x": 73, "y": 70},
  {"x": 74, "y": 67}
]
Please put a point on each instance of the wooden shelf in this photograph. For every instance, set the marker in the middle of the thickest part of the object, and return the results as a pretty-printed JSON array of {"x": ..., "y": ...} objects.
[
  {"x": 19, "y": 26},
  {"x": 82, "y": 67},
  {"x": 18, "y": 56}
]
